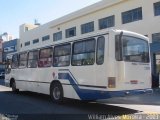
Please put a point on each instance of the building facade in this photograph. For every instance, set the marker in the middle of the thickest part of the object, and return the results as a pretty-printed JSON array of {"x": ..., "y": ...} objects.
[
  {"x": 141, "y": 16},
  {"x": 8, "y": 48}
]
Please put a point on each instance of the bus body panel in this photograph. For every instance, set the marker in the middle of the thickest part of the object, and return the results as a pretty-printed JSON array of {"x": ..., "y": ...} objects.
[
  {"x": 88, "y": 82},
  {"x": 133, "y": 75}
]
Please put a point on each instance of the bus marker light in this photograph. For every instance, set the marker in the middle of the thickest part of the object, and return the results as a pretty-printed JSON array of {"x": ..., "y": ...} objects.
[
  {"x": 111, "y": 82},
  {"x": 134, "y": 81}
]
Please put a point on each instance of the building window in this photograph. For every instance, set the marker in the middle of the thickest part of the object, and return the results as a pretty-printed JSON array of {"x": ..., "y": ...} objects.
[
  {"x": 26, "y": 29},
  {"x": 35, "y": 41},
  {"x": 156, "y": 37},
  {"x": 5, "y": 49},
  {"x": 57, "y": 36},
  {"x": 47, "y": 37},
  {"x": 83, "y": 52},
  {"x": 45, "y": 57},
  {"x": 15, "y": 60},
  {"x": 87, "y": 27},
  {"x": 107, "y": 22},
  {"x": 9, "y": 49},
  {"x": 71, "y": 32},
  {"x": 157, "y": 8},
  {"x": 32, "y": 59},
  {"x": 132, "y": 15},
  {"x": 100, "y": 50},
  {"x": 23, "y": 60},
  {"x": 62, "y": 55},
  {"x": 27, "y": 43}
]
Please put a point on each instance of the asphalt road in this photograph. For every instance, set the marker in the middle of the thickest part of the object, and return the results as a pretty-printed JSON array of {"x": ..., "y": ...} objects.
[{"x": 28, "y": 105}]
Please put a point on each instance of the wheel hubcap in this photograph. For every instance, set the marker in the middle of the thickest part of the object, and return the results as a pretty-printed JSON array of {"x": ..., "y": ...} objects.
[{"x": 56, "y": 93}]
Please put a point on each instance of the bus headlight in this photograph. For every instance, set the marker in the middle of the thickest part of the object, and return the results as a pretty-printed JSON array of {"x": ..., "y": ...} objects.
[{"x": 111, "y": 82}]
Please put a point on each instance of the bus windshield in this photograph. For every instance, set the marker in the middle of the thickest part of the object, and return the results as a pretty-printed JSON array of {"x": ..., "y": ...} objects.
[{"x": 135, "y": 49}]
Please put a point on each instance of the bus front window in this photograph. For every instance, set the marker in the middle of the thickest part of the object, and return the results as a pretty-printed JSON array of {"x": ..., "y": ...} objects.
[{"x": 135, "y": 49}]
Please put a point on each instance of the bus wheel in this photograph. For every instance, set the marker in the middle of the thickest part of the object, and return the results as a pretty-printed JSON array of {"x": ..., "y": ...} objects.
[
  {"x": 56, "y": 93},
  {"x": 13, "y": 86}
]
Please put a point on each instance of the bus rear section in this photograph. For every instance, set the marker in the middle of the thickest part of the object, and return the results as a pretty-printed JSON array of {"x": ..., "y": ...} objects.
[{"x": 131, "y": 69}]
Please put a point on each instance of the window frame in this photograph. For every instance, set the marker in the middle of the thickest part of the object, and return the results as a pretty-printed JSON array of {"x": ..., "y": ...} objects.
[
  {"x": 17, "y": 57},
  {"x": 106, "y": 21},
  {"x": 35, "y": 41},
  {"x": 45, "y": 38},
  {"x": 130, "y": 14},
  {"x": 57, "y": 35},
  {"x": 55, "y": 56},
  {"x": 26, "y": 60},
  {"x": 157, "y": 4},
  {"x": 99, "y": 39},
  {"x": 89, "y": 52},
  {"x": 33, "y": 59},
  {"x": 45, "y": 59},
  {"x": 27, "y": 43},
  {"x": 87, "y": 27},
  {"x": 69, "y": 30},
  {"x": 155, "y": 35}
]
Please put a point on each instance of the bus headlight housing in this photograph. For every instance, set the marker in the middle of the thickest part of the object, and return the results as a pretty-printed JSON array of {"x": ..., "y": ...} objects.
[{"x": 111, "y": 82}]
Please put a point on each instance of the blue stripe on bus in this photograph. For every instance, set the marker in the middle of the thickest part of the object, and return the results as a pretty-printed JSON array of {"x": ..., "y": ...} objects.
[{"x": 87, "y": 94}]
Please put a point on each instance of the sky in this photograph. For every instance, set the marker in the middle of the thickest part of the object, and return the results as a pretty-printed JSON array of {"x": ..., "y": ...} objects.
[{"x": 13, "y": 13}]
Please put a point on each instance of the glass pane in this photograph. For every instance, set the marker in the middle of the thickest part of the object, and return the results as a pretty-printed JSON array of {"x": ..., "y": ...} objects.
[
  {"x": 22, "y": 64},
  {"x": 62, "y": 61},
  {"x": 23, "y": 57},
  {"x": 62, "y": 55},
  {"x": 88, "y": 27},
  {"x": 33, "y": 55},
  {"x": 84, "y": 46},
  {"x": 15, "y": 61},
  {"x": 57, "y": 36},
  {"x": 157, "y": 8},
  {"x": 100, "y": 50},
  {"x": 46, "y": 53},
  {"x": 62, "y": 50},
  {"x": 135, "y": 49},
  {"x": 45, "y": 62},
  {"x": 156, "y": 37},
  {"x": 132, "y": 15},
  {"x": 106, "y": 22},
  {"x": 71, "y": 32},
  {"x": 32, "y": 63},
  {"x": 83, "y": 59}
]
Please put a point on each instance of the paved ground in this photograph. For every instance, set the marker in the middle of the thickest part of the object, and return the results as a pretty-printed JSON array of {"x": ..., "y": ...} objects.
[
  {"x": 40, "y": 106},
  {"x": 1, "y": 82}
]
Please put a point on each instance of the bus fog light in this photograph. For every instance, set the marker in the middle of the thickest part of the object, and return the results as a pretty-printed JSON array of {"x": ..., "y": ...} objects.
[{"x": 111, "y": 82}]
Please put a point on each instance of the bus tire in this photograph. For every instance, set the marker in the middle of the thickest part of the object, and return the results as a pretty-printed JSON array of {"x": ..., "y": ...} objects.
[
  {"x": 13, "y": 86},
  {"x": 56, "y": 92}
]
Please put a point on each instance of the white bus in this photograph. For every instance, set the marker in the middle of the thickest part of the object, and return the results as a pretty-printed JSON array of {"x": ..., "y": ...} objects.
[{"x": 103, "y": 65}]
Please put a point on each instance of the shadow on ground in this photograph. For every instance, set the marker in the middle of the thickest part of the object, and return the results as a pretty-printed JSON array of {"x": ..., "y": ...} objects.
[{"x": 28, "y": 103}]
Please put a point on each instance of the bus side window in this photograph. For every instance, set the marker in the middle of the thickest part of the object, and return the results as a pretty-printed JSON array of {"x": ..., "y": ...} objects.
[
  {"x": 100, "y": 50},
  {"x": 15, "y": 61},
  {"x": 84, "y": 52},
  {"x": 8, "y": 66},
  {"x": 45, "y": 57},
  {"x": 23, "y": 60},
  {"x": 62, "y": 55},
  {"x": 32, "y": 59}
]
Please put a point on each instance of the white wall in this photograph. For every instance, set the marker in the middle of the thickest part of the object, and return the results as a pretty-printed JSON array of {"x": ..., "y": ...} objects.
[{"x": 147, "y": 26}]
